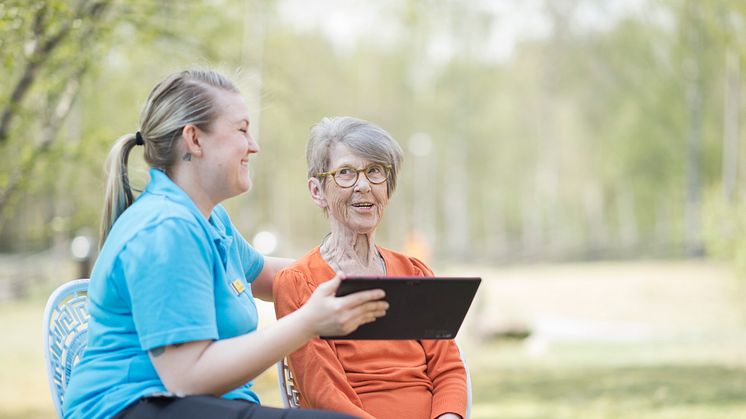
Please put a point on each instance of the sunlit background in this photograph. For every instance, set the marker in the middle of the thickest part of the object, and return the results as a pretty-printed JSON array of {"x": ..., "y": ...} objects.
[{"x": 585, "y": 157}]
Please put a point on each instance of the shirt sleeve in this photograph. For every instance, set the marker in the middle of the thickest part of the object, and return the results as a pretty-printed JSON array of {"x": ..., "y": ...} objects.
[
  {"x": 168, "y": 271},
  {"x": 319, "y": 376},
  {"x": 444, "y": 367},
  {"x": 447, "y": 372},
  {"x": 251, "y": 260}
]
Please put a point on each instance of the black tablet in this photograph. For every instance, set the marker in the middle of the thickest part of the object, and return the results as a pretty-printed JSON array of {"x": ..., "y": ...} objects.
[{"x": 419, "y": 307}]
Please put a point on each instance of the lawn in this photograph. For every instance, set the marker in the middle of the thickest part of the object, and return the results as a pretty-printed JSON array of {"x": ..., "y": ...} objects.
[
  {"x": 602, "y": 381},
  {"x": 611, "y": 340}
]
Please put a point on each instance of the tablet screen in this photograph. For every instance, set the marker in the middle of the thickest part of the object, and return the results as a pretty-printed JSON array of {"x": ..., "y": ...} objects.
[{"x": 419, "y": 307}]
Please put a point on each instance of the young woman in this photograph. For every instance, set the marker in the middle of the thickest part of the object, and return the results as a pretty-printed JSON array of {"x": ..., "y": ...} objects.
[{"x": 172, "y": 332}]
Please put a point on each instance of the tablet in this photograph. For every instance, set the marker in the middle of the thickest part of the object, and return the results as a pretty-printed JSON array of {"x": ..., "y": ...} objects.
[{"x": 419, "y": 307}]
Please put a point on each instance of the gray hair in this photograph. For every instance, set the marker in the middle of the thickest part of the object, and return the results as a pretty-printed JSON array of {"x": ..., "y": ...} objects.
[
  {"x": 181, "y": 99},
  {"x": 365, "y": 139}
]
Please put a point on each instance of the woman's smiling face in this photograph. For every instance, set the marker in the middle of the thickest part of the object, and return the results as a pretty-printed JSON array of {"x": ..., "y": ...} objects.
[
  {"x": 228, "y": 146},
  {"x": 360, "y": 207}
]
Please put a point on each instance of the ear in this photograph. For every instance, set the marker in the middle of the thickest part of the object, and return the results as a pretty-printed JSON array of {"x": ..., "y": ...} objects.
[
  {"x": 190, "y": 136},
  {"x": 317, "y": 192}
]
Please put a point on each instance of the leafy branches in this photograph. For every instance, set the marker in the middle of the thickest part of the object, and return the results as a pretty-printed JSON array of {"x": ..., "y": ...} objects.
[{"x": 45, "y": 78}]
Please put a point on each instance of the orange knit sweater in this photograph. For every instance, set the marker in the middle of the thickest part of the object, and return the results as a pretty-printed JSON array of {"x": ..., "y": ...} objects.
[{"x": 371, "y": 378}]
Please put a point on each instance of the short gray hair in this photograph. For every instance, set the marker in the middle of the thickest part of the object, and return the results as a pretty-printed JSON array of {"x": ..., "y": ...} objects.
[{"x": 365, "y": 139}]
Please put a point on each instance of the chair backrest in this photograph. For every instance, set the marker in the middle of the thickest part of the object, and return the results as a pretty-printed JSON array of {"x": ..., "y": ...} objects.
[
  {"x": 288, "y": 392},
  {"x": 468, "y": 381},
  {"x": 65, "y": 332},
  {"x": 291, "y": 396}
]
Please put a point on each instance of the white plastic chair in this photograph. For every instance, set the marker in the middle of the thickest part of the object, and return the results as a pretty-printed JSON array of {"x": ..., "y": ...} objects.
[
  {"x": 468, "y": 382},
  {"x": 290, "y": 395},
  {"x": 65, "y": 331}
]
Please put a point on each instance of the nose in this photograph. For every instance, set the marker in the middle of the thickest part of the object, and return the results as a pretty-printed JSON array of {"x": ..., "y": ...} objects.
[
  {"x": 362, "y": 184},
  {"x": 252, "y": 145}
]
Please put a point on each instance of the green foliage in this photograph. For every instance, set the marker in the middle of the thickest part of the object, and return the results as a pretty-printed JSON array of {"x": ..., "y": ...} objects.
[
  {"x": 725, "y": 228},
  {"x": 573, "y": 147}
]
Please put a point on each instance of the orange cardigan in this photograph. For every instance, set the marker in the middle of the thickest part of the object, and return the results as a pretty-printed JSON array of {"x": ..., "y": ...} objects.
[{"x": 371, "y": 378}]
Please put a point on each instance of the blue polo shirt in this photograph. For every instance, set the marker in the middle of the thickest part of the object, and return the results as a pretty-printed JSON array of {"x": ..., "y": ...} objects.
[{"x": 165, "y": 275}]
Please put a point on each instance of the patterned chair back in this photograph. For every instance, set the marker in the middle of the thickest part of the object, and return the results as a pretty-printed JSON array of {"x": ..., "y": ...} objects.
[
  {"x": 288, "y": 393},
  {"x": 65, "y": 331}
]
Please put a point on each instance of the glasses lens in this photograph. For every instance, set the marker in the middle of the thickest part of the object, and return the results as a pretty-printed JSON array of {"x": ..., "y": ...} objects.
[
  {"x": 345, "y": 176},
  {"x": 376, "y": 173}
]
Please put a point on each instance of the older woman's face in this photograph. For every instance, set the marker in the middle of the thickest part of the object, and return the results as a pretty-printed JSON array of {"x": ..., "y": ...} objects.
[{"x": 358, "y": 208}]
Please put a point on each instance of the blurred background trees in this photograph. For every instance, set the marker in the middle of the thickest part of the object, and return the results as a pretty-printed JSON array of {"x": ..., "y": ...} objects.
[{"x": 598, "y": 131}]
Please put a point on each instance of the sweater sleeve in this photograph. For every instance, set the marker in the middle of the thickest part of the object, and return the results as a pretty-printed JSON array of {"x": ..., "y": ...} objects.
[
  {"x": 444, "y": 367},
  {"x": 447, "y": 372},
  {"x": 319, "y": 376}
]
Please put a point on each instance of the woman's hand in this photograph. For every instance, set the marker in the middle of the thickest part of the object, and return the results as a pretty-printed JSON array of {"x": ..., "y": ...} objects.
[{"x": 328, "y": 315}]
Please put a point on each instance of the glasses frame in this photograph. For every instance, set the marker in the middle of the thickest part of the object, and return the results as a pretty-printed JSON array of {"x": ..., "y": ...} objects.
[{"x": 333, "y": 174}]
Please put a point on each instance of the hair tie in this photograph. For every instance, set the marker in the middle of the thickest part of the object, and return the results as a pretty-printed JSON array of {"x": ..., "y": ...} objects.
[{"x": 138, "y": 139}]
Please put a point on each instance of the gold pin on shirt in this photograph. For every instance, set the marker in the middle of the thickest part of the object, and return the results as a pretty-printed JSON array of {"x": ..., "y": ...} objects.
[{"x": 238, "y": 286}]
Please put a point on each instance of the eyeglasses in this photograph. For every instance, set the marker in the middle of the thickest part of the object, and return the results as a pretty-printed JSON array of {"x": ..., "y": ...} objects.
[{"x": 346, "y": 176}]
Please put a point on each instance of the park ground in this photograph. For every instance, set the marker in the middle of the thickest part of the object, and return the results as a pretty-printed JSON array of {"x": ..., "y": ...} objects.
[{"x": 651, "y": 339}]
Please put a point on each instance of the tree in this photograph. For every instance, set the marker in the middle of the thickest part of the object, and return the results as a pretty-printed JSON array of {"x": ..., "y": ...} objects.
[{"x": 48, "y": 47}]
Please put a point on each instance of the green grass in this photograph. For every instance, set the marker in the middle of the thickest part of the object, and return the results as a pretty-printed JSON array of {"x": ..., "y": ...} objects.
[
  {"x": 596, "y": 381},
  {"x": 693, "y": 366},
  {"x": 24, "y": 391},
  {"x": 689, "y": 362}
]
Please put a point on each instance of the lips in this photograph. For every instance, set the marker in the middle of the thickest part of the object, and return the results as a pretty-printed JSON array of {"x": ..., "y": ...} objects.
[{"x": 362, "y": 204}]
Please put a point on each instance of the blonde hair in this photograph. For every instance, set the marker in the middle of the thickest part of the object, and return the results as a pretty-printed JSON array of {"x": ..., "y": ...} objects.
[{"x": 183, "y": 98}]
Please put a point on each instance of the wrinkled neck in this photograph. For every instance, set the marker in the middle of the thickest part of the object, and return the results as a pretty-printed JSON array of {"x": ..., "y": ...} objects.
[{"x": 352, "y": 253}]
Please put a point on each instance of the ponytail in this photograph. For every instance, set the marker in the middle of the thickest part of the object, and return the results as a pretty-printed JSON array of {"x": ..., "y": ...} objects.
[
  {"x": 118, "y": 196},
  {"x": 183, "y": 98}
]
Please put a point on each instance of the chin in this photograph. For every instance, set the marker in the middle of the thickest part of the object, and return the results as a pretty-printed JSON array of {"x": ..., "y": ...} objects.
[
  {"x": 246, "y": 185},
  {"x": 363, "y": 229}
]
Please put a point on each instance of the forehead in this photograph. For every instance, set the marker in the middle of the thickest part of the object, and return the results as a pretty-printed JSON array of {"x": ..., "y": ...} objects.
[
  {"x": 341, "y": 155},
  {"x": 232, "y": 106}
]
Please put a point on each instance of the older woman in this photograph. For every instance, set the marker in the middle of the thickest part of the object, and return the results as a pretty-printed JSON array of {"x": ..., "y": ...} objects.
[{"x": 352, "y": 169}]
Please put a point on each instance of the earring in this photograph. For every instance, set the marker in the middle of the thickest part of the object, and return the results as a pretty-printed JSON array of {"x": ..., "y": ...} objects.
[{"x": 187, "y": 157}]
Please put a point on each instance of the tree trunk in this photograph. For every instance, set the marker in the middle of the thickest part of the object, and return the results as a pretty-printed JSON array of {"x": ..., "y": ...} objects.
[
  {"x": 693, "y": 204},
  {"x": 731, "y": 113}
]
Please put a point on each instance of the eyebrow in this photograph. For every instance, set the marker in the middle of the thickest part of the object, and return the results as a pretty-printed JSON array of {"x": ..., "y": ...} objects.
[{"x": 347, "y": 163}]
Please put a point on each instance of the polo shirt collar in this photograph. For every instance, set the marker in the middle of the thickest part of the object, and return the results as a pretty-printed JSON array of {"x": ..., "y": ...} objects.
[{"x": 161, "y": 184}]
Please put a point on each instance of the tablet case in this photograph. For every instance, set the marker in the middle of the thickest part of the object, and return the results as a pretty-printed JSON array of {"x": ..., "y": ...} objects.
[{"x": 419, "y": 307}]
